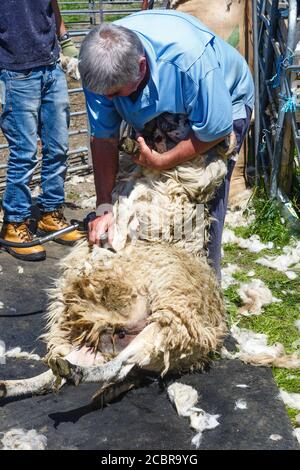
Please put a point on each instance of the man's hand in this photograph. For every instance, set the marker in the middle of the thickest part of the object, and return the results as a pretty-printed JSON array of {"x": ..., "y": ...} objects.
[
  {"x": 100, "y": 225},
  {"x": 66, "y": 44},
  {"x": 148, "y": 158},
  {"x": 69, "y": 49}
]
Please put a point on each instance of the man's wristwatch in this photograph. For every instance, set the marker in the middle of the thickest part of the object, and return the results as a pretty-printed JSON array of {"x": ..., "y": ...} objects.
[{"x": 64, "y": 37}]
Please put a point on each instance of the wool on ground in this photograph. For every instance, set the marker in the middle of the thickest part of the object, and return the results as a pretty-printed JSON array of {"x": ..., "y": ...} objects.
[
  {"x": 253, "y": 349},
  {"x": 185, "y": 397},
  {"x": 21, "y": 439},
  {"x": 255, "y": 295}
]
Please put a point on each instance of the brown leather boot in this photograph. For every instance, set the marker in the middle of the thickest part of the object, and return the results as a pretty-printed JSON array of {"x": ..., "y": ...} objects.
[
  {"x": 55, "y": 220},
  {"x": 19, "y": 232}
]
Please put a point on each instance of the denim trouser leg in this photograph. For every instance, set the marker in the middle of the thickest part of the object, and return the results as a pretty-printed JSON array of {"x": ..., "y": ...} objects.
[
  {"x": 54, "y": 123},
  {"x": 218, "y": 206},
  {"x": 35, "y": 101},
  {"x": 19, "y": 123}
]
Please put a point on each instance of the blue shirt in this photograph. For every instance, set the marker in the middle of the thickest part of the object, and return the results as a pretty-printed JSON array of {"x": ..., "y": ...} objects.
[
  {"x": 27, "y": 34},
  {"x": 192, "y": 71}
]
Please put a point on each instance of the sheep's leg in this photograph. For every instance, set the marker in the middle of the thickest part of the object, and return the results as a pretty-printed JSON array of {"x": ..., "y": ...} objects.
[
  {"x": 37, "y": 385},
  {"x": 139, "y": 352},
  {"x": 47, "y": 381}
]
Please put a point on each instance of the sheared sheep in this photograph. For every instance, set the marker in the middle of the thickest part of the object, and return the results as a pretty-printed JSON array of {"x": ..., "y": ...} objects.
[{"x": 152, "y": 304}]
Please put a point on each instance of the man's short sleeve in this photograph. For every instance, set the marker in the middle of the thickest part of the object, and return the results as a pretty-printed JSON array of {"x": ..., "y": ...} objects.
[
  {"x": 210, "y": 110},
  {"x": 103, "y": 118}
]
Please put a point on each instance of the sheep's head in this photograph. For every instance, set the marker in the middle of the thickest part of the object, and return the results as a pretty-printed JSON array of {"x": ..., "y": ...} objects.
[{"x": 104, "y": 311}]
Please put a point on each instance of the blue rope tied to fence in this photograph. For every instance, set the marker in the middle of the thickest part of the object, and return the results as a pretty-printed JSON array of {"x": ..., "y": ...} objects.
[
  {"x": 281, "y": 62},
  {"x": 290, "y": 104}
]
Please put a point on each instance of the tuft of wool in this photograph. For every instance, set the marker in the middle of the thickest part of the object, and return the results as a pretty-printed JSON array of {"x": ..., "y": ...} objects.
[
  {"x": 235, "y": 216},
  {"x": 290, "y": 399},
  {"x": 253, "y": 243},
  {"x": 21, "y": 439},
  {"x": 202, "y": 421},
  {"x": 282, "y": 263},
  {"x": 297, "y": 434},
  {"x": 17, "y": 353},
  {"x": 253, "y": 349},
  {"x": 240, "y": 404},
  {"x": 255, "y": 295},
  {"x": 185, "y": 397},
  {"x": 227, "y": 272},
  {"x": 275, "y": 437}
]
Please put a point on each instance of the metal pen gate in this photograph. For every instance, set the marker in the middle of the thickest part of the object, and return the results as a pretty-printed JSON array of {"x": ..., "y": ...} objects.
[{"x": 276, "y": 35}]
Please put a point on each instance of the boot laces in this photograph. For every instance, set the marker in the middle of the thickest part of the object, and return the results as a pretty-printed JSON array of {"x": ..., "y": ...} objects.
[
  {"x": 59, "y": 217},
  {"x": 23, "y": 232}
]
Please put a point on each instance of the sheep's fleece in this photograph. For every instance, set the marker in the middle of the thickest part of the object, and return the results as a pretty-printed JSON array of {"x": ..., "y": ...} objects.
[{"x": 152, "y": 304}]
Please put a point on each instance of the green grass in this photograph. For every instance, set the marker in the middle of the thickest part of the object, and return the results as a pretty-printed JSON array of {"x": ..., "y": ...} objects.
[
  {"x": 268, "y": 223},
  {"x": 277, "y": 320}
]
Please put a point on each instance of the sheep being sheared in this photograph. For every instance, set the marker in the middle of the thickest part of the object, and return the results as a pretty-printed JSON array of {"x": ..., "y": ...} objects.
[{"x": 154, "y": 304}]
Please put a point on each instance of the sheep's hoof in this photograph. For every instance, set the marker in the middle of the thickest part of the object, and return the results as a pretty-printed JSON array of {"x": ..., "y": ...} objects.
[
  {"x": 3, "y": 391},
  {"x": 63, "y": 368}
]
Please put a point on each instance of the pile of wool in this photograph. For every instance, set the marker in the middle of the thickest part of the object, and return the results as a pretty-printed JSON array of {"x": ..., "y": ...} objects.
[
  {"x": 185, "y": 397},
  {"x": 290, "y": 399},
  {"x": 253, "y": 349},
  {"x": 253, "y": 243},
  {"x": 289, "y": 259},
  {"x": 17, "y": 353},
  {"x": 236, "y": 215},
  {"x": 254, "y": 295},
  {"x": 21, "y": 439}
]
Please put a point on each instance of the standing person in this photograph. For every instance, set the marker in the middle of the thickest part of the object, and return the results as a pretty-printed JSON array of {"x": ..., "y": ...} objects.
[
  {"x": 153, "y": 62},
  {"x": 35, "y": 104}
]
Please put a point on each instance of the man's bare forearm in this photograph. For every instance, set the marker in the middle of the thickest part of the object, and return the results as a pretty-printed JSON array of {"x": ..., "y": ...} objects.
[
  {"x": 186, "y": 150},
  {"x": 105, "y": 158}
]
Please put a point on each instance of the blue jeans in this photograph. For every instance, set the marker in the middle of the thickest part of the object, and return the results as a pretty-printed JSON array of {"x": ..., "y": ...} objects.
[{"x": 35, "y": 104}]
